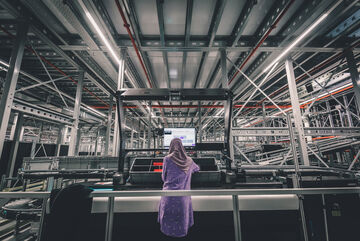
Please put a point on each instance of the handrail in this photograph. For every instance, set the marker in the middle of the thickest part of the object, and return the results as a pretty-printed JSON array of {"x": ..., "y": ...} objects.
[
  {"x": 213, "y": 192},
  {"x": 24, "y": 194},
  {"x": 216, "y": 192}
]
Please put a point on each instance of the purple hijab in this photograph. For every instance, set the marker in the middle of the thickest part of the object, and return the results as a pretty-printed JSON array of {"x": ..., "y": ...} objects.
[{"x": 178, "y": 155}]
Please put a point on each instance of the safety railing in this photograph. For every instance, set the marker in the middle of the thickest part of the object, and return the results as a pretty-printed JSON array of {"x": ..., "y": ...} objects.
[{"x": 111, "y": 195}]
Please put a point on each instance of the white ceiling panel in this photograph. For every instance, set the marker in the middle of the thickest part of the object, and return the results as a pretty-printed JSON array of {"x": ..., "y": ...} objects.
[
  {"x": 174, "y": 17},
  {"x": 201, "y": 18}
]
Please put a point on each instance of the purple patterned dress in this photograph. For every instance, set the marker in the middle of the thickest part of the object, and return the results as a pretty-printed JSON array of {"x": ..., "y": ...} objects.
[{"x": 176, "y": 213}]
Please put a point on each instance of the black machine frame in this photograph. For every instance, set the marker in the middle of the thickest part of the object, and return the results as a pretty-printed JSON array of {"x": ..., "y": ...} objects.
[{"x": 164, "y": 94}]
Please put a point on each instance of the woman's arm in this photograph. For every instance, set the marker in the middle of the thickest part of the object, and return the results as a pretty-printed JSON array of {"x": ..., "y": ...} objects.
[
  {"x": 163, "y": 174},
  {"x": 196, "y": 167}
]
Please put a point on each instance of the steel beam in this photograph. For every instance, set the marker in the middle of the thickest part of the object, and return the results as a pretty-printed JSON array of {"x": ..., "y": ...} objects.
[
  {"x": 60, "y": 139},
  {"x": 224, "y": 76},
  {"x": 120, "y": 85},
  {"x": 219, "y": 9},
  {"x": 296, "y": 111},
  {"x": 15, "y": 145},
  {"x": 11, "y": 79},
  {"x": 160, "y": 14},
  {"x": 219, "y": 45},
  {"x": 108, "y": 128},
  {"x": 74, "y": 128},
  {"x": 348, "y": 115}
]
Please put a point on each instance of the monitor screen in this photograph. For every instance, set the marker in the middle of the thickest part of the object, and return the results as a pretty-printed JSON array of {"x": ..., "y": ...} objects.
[{"x": 187, "y": 136}]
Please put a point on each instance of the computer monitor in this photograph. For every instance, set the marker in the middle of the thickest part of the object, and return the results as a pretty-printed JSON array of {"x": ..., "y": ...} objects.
[{"x": 187, "y": 136}]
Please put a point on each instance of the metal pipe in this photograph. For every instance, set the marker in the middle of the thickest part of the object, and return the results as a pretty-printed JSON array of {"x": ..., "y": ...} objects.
[{"x": 127, "y": 26}]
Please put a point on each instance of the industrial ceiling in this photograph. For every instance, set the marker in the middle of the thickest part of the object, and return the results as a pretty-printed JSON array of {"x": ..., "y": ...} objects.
[{"x": 180, "y": 44}]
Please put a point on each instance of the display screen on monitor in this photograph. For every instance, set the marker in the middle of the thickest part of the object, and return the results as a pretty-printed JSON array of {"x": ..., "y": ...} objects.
[{"x": 187, "y": 136}]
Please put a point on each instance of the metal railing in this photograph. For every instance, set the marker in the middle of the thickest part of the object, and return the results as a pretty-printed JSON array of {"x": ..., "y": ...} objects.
[{"x": 230, "y": 192}]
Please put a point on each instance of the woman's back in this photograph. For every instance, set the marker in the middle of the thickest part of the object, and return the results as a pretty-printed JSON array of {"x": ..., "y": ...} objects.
[{"x": 176, "y": 179}]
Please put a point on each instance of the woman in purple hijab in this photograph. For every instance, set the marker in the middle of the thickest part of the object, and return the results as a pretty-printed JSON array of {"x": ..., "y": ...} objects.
[{"x": 176, "y": 213}]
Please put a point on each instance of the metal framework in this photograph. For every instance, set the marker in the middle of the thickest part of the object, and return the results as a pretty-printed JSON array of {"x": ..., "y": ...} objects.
[
  {"x": 172, "y": 95},
  {"x": 184, "y": 53}
]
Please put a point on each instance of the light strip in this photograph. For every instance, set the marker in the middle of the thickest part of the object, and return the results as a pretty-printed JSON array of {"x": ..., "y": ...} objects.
[
  {"x": 301, "y": 37},
  {"x": 102, "y": 36}
]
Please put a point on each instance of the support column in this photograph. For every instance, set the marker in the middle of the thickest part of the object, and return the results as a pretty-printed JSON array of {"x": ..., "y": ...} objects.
[
  {"x": 264, "y": 121},
  {"x": 296, "y": 111},
  {"x": 228, "y": 107},
  {"x": 328, "y": 109},
  {"x": 354, "y": 75},
  {"x": 200, "y": 123},
  {"x": 149, "y": 128},
  {"x": 144, "y": 140},
  {"x": 307, "y": 124},
  {"x": 120, "y": 85},
  {"x": 96, "y": 141},
  {"x": 132, "y": 136},
  {"x": 60, "y": 139},
  {"x": 13, "y": 125},
  {"x": 108, "y": 128},
  {"x": 11, "y": 79},
  {"x": 348, "y": 115},
  {"x": 78, "y": 142},
  {"x": 74, "y": 130},
  {"x": 15, "y": 144},
  {"x": 224, "y": 77}
]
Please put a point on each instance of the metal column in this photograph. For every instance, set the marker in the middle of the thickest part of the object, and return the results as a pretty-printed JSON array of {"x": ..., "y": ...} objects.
[
  {"x": 108, "y": 128},
  {"x": 348, "y": 115},
  {"x": 264, "y": 120},
  {"x": 96, "y": 141},
  {"x": 122, "y": 135},
  {"x": 15, "y": 145},
  {"x": 296, "y": 111},
  {"x": 74, "y": 129},
  {"x": 354, "y": 75},
  {"x": 60, "y": 139},
  {"x": 11, "y": 79},
  {"x": 13, "y": 125},
  {"x": 236, "y": 216},
  {"x": 228, "y": 138},
  {"x": 132, "y": 136},
  {"x": 200, "y": 123},
  {"x": 224, "y": 76},
  {"x": 120, "y": 85},
  {"x": 149, "y": 128}
]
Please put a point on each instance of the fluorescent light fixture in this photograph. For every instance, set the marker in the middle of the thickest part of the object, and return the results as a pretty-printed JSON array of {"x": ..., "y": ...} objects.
[
  {"x": 102, "y": 36},
  {"x": 293, "y": 44}
]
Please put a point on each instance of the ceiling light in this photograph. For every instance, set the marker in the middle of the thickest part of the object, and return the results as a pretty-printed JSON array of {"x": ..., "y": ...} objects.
[{"x": 102, "y": 36}]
